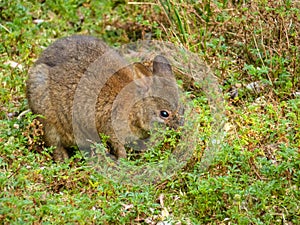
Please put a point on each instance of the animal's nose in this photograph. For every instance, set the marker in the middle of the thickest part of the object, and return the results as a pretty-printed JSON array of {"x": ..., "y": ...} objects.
[
  {"x": 180, "y": 115},
  {"x": 181, "y": 121},
  {"x": 177, "y": 121}
]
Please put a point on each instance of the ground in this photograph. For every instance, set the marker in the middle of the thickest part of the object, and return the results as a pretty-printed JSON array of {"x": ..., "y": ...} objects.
[{"x": 252, "y": 48}]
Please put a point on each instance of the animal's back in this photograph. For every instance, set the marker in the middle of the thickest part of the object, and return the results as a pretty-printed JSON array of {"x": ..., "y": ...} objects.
[
  {"x": 53, "y": 81},
  {"x": 58, "y": 70}
]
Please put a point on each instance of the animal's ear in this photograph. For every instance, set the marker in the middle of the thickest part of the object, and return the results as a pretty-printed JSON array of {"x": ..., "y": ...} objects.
[
  {"x": 141, "y": 71},
  {"x": 142, "y": 78},
  {"x": 162, "y": 67}
]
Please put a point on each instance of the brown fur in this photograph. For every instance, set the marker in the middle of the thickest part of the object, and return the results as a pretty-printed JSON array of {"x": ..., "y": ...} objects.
[{"x": 56, "y": 77}]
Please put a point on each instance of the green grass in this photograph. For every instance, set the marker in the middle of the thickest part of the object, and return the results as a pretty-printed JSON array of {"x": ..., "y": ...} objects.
[{"x": 255, "y": 177}]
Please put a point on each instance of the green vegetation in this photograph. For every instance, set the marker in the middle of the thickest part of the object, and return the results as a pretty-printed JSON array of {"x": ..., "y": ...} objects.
[{"x": 253, "y": 48}]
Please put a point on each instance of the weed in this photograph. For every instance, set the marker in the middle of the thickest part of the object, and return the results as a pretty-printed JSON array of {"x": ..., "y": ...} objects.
[{"x": 255, "y": 177}]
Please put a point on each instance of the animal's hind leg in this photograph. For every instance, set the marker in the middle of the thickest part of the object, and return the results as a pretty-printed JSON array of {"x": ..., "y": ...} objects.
[{"x": 52, "y": 138}]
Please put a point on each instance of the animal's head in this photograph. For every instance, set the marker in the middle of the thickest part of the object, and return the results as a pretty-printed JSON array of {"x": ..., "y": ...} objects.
[{"x": 151, "y": 100}]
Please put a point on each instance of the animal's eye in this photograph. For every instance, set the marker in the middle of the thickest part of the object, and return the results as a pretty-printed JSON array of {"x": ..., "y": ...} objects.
[{"x": 164, "y": 114}]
